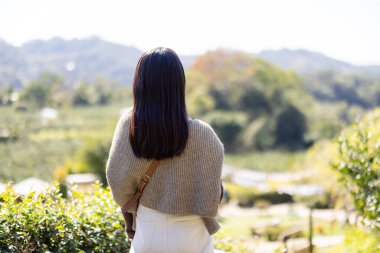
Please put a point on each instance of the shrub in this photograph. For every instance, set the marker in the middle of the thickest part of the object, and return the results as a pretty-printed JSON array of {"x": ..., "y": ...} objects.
[
  {"x": 244, "y": 195},
  {"x": 249, "y": 196},
  {"x": 91, "y": 157},
  {"x": 48, "y": 222},
  {"x": 358, "y": 240},
  {"x": 319, "y": 201},
  {"x": 273, "y": 197},
  {"x": 228, "y": 244},
  {"x": 359, "y": 165}
]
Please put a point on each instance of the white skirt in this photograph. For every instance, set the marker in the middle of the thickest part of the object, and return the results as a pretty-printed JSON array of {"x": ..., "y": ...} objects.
[{"x": 158, "y": 232}]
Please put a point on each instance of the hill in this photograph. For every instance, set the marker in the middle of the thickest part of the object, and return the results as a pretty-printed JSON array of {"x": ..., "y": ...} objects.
[
  {"x": 87, "y": 58},
  {"x": 304, "y": 61},
  {"x": 74, "y": 59}
]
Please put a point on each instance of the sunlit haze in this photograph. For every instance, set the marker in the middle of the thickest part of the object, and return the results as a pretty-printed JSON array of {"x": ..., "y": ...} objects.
[{"x": 345, "y": 30}]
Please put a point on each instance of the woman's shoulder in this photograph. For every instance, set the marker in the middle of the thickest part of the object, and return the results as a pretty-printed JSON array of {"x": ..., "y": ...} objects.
[
  {"x": 201, "y": 125},
  {"x": 203, "y": 131},
  {"x": 125, "y": 115}
]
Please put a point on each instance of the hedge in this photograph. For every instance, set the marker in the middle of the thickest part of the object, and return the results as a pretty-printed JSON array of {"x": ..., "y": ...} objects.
[
  {"x": 47, "y": 222},
  {"x": 86, "y": 222}
]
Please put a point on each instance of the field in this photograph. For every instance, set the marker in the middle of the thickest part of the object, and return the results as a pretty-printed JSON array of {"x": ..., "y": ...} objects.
[{"x": 40, "y": 145}]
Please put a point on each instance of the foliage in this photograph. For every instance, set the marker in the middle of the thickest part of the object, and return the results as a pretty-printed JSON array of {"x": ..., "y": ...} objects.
[
  {"x": 359, "y": 165},
  {"x": 290, "y": 127},
  {"x": 320, "y": 201},
  {"x": 249, "y": 196},
  {"x": 242, "y": 194},
  {"x": 228, "y": 244},
  {"x": 86, "y": 222},
  {"x": 49, "y": 89},
  {"x": 91, "y": 157},
  {"x": 227, "y": 125},
  {"x": 41, "y": 147},
  {"x": 235, "y": 82},
  {"x": 267, "y": 161},
  {"x": 39, "y": 92},
  {"x": 358, "y": 240},
  {"x": 273, "y": 197},
  {"x": 81, "y": 95},
  {"x": 41, "y": 222},
  {"x": 354, "y": 89},
  {"x": 6, "y": 95}
]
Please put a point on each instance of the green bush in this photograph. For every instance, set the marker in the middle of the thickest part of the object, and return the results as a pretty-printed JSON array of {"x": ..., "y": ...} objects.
[
  {"x": 48, "y": 222},
  {"x": 359, "y": 165},
  {"x": 358, "y": 240},
  {"x": 87, "y": 222},
  {"x": 91, "y": 157},
  {"x": 318, "y": 201},
  {"x": 244, "y": 195},
  {"x": 228, "y": 244},
  {"x": 273, "y": 197},
  {"x": 249, "y": 196}
]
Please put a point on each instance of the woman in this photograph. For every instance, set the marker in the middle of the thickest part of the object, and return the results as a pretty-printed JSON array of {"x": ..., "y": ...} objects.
[{"x": 176, "y": 212}]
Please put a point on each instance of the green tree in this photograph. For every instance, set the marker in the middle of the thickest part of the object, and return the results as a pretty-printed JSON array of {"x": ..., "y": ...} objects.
[
  {"x": 81, "y": 96},
  {"x": 39, "y": 92},
  {"x": 6, "y": 95},
  {"x": 235, "y": 82},
  {"x": 290, "y": 127},
  {"x": 227, "y": 125}
]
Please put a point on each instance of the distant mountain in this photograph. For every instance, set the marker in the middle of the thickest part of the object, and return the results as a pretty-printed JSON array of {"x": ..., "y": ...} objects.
[
  {"x": 305, "y": 62},
  {"x": 87, "y": 58},
  {"x": 74, "y": 59},
  {"x": 13, "y": 65}
]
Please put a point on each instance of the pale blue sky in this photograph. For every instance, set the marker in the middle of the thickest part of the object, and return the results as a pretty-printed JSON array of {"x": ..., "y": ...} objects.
[{"x": 344, "y": 29}]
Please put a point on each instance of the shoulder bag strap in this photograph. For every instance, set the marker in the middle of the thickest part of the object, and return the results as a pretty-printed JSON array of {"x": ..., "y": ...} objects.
[{"x": 145, "y": 179}]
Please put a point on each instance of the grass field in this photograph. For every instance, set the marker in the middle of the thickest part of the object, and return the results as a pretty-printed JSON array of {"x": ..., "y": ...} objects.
[
  {"x": 265, "y": 161},
  {"x": 42, "y": 145}
]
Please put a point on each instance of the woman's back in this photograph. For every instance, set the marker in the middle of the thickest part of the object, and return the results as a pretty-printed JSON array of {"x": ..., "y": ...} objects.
[{"x": 187, "y": 181}]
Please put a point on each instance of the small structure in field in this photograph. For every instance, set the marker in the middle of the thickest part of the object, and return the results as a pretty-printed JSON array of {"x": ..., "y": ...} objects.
[
  {"x": 48, "y": 113},
  {"x": 81, "y": 181},
  {"x": 30, "y": 184},
  {"x": 2, "y": 187}
]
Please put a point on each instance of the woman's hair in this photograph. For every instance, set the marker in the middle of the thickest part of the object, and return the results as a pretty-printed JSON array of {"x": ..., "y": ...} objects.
[{"x": 159, "y": 120}]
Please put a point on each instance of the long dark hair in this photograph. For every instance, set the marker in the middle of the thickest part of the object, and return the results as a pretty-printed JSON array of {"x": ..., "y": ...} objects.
[{"x": 159, "y": 121}]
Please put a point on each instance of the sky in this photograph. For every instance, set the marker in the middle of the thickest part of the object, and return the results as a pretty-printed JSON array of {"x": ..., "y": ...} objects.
[{"x": 347, "y": 30}]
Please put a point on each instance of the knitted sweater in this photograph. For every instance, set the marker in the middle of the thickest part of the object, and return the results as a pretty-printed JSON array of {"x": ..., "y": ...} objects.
[{"x": 185, "y": 184}]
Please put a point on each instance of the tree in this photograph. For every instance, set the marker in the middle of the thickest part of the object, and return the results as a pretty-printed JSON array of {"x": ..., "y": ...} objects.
[
  {"x": 236, "y": 82},
  {"x": 39, "y": 92},
  {"x": 290, "y": 127},
  {"x": 81, "y": 95},
  {"x": 6, "y": 95}
]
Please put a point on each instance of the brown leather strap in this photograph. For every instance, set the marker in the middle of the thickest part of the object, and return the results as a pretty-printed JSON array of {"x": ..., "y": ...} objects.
[{"x": 145, "y": 179}]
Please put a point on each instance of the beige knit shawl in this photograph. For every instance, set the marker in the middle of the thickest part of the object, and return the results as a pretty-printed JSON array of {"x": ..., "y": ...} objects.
[{"x": 185, "y": 184}]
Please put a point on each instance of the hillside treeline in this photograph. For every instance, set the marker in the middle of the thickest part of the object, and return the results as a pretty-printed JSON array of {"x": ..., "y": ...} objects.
[
  {"x": 252, "y": 104},
  {"x": 50, "y": 89}
]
